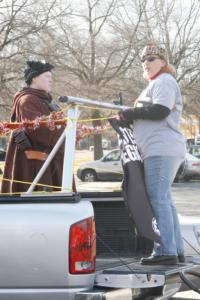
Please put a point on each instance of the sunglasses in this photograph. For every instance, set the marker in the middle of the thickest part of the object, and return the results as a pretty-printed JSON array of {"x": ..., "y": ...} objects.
[{"x": 149, "y": 58}]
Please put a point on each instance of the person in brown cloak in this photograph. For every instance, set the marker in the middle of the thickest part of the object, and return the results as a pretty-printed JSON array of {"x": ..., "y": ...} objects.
[{"x": 29, "y": 148}]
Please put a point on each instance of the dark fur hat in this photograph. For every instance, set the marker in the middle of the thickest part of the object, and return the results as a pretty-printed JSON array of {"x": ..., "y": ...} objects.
[{"x": 35, "y": 68}]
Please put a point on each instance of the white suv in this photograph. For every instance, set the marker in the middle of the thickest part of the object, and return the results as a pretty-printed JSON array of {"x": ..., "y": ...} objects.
[{"x": 197, "y": 140}]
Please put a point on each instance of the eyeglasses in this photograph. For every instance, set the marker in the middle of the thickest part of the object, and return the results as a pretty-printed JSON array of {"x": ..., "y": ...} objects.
[{"x": 149, "y": 58}]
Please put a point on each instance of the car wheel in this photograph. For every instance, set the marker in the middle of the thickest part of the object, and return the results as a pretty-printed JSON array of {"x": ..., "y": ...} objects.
[
  {"x": 89, "y": 176},
  {"x": 179, "y": 174}
]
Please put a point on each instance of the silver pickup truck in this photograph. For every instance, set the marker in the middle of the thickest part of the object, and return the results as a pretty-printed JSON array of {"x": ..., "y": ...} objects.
[
  {"x": 48, "y": 251},
  {"x": 68, "y": 246}
]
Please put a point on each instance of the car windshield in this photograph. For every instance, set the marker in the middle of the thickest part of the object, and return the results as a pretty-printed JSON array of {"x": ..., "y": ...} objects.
[
  {"x": 195, "y": 150},
  {"x": 113, "y": 156}
]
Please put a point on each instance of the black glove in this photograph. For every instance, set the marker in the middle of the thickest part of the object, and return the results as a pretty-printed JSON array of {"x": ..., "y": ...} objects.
[
  {"x": 126, "y": 115},
  {"x": 151, "y": 112},
  {"x": 21, "y": 139}
]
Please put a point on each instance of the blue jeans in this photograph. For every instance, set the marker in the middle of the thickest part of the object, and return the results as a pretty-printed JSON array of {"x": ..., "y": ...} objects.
[{"x": 159, "y": 172}]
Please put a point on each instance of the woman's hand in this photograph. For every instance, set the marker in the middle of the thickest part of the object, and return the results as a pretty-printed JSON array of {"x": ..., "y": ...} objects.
[{"x": 126, "y": 115}]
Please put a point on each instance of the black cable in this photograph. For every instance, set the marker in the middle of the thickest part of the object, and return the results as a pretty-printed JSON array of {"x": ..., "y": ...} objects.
[
  {"x": 117, "y": 256},
  {"x": 183, "y": 276},
  {"x": 188, "y": 282},
  {"x": 191, "y": 246}
]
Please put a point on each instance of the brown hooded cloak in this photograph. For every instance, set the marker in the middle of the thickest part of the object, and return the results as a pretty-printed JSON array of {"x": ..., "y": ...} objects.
[{"x": 29, "y": 104}]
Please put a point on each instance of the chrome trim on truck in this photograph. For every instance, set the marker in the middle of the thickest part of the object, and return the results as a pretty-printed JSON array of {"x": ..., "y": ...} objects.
[
  {"x": 118, "y": 294},
  {"x": 129, "y": 280},
  {"x": 166, "y": 292}
]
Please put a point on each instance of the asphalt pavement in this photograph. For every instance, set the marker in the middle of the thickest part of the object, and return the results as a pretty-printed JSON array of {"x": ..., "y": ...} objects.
[
  {"x": 189, "y": 295},
  {"x": 186, "y": 196},
  {"x": 187, "y": 199}
]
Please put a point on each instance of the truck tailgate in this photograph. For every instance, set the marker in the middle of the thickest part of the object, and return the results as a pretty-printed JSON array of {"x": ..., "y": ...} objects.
[
  {"x": 34, "y": 243},
  {"x": 135, "y": 275}
]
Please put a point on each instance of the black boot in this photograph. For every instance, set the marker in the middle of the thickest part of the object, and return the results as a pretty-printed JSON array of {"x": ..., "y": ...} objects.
[
  {"x": 181, "y": 258},
  {"x": 160, "y": 260}
]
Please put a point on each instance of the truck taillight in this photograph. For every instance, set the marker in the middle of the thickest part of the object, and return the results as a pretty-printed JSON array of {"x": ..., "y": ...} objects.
[{"x": 82, "y": 247}]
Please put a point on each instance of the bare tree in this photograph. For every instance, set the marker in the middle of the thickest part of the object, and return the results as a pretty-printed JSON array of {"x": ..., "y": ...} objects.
[
  {"x": 94, "y": 52},
  {"x": 95, "y": 45},
  {"x": 20, "y": 23}
]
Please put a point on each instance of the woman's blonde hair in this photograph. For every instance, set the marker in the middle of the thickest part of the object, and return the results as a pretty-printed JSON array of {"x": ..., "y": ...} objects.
[{"x": 168, "y": 68}]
